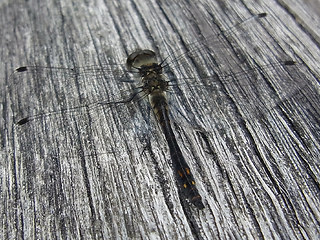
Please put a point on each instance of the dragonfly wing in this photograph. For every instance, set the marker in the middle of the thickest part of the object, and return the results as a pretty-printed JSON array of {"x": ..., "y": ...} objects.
[
  {"x": 254, "y": 91},
  {"x": 42, "y": 91}
]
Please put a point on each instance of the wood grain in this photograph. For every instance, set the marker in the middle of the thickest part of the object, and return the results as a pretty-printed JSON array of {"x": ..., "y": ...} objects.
[{"x": 251, "y": 139}]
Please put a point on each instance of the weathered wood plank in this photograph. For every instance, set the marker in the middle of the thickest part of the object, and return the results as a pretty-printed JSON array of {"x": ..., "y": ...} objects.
[{"x": 105, "y": 173}]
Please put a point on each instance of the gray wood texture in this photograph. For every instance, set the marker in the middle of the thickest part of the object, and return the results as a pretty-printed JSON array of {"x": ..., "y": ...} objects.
[{"x": 251, "y": 140}]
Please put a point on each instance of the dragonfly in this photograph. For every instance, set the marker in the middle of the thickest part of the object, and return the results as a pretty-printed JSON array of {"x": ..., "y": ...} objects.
[{"x": 153, "y": 85}]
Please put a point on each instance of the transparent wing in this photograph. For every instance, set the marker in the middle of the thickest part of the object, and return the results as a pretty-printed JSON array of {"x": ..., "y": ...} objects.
[
  {"x": 253, "y": 90},
  {"x": 215, "y": 66},
  {"x": 41, "y": 91},
  {"x": 209, "y": 49}
]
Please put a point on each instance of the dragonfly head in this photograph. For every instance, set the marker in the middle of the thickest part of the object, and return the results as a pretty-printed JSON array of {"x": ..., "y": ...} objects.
[{"x": 141, "y": 58}]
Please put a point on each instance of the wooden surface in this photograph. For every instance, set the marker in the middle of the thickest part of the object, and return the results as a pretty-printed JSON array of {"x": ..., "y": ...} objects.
[{"x": 252, "y": 141}]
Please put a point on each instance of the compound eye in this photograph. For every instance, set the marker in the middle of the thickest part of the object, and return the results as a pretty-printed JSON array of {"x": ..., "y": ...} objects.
[{"x": 141, "y": 57}]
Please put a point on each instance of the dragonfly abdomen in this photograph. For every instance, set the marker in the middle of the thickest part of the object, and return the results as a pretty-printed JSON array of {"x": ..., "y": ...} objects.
[{"x": 184, "y": 177}]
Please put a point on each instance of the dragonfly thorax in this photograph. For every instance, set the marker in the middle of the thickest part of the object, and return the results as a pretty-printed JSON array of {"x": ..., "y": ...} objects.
[
  {"x": 150, "y": 69},
  {"x": 153, "y": 83}
]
